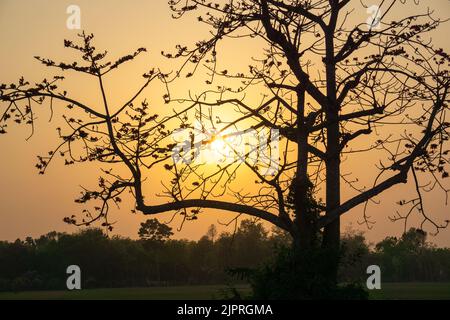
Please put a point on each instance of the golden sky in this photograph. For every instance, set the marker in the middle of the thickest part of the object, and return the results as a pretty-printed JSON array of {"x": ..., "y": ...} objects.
[{"x": 32, "y": 204}]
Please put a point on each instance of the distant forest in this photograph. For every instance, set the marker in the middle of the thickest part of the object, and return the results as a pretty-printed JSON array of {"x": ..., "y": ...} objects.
[{"x": 157, "y": 260}]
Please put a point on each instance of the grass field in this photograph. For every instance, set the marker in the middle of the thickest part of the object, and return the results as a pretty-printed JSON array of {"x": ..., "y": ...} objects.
[{"x": 388, "y": 291}]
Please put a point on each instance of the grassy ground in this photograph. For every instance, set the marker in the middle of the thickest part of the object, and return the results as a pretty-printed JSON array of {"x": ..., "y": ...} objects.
[
  {"x": 151, "y": 293},
  {"x": 388, "y": 291},
  {"x": 413, "y": 290}
]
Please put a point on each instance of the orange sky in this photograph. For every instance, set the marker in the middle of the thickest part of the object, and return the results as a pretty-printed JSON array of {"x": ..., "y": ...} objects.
[{"x": 32, "y": 204}]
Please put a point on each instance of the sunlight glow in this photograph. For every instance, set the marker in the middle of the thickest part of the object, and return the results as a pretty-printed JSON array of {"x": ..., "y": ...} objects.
[{"x": 218, "y": 151}]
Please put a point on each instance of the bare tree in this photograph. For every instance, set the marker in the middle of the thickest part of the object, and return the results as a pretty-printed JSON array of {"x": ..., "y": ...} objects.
[
  {"x": 327, "y": 84},
  {"x": 124, "y": 133}
]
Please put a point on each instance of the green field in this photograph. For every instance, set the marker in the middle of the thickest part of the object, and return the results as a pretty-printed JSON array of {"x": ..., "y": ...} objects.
[{"x": 388, "y": 291}]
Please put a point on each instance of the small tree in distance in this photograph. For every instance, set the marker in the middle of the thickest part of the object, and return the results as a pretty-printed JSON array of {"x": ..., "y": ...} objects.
[{"x": 212, "y": 232}]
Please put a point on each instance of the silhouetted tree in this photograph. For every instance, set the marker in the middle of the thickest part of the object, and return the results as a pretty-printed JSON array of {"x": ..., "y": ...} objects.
[
  {"x": 154, "y": 230},
  {"x": 327, "y": 82}
]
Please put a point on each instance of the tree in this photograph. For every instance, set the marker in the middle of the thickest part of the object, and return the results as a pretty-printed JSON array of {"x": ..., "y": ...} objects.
[
  {"x": 328, "y": 82},
  {"x": 212, "y": 232},
  {"x": 154, "y": 230},
  {"x": 370, "y": 80}
]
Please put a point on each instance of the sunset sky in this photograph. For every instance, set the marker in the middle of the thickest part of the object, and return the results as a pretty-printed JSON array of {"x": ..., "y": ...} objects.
[{"x": 32, "y": 204}]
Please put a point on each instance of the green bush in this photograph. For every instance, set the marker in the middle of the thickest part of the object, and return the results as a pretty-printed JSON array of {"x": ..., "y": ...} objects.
[{"x": 302, "y": 274}]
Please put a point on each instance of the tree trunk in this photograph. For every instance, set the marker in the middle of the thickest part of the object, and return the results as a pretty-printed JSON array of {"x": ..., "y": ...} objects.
[{"x": 303, "y": 217}]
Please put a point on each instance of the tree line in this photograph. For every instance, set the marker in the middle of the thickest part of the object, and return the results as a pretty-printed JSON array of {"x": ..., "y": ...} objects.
[{"x": 157, "y": 260}]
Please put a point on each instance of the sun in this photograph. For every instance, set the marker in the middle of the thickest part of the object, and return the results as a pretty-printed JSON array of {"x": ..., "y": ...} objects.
[
  {"x": 218, "y": 151},
  {"x": 218, "y": 145}
]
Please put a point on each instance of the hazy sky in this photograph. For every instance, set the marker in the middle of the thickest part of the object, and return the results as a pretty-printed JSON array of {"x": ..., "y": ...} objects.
[{"x": 32, "y": 204}]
